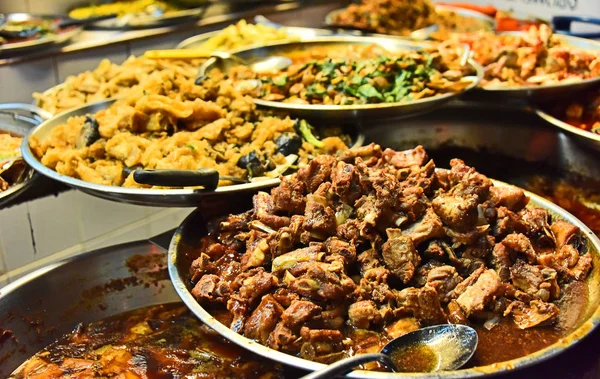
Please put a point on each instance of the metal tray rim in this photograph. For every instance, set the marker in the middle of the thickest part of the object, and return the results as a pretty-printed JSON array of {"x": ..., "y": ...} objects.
[
  {"x": 491, "y": 370},
  {"x": 592, "y": 137}
]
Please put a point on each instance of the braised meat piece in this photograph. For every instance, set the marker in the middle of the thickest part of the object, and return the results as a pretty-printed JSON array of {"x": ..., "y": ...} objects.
[
  {"x": 444, "y": 279},
  {"x": 477, "y": 296},
  {"x": 351, "y": 251},
  {"x": 346, "y": 182},
  {"x": 364, "y": 314},
  {"x": 210, "y": 287},
  {"x": 538, "y": 281},
  {"x": 263, "y": 319},
  {"x": 456, "y": 212},
  {"x": 400, "y": 257},
  {"x": 264, "y": 210},
  {"x": 319, "y": 217},
  {"x": 537, "y": 313},
  {"x": 317, "y": 172},
  {"x": 406, "y": 158},
  {"x": 299, "y": 313},
  {"x": 512, "y": 198},
  {"x": 288, "y": 197},
  {"x": 428, "y": 227},
  {"x": 423, "y": 304}
]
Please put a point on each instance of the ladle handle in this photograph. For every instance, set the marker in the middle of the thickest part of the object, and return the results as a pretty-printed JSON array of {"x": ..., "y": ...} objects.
[
  {"x": 346, "y": 365},
  {"x": 203, "y": 177}
]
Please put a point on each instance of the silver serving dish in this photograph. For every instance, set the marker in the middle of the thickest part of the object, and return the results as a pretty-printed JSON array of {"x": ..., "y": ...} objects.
[
  {"x": 544, "y": 92},
  {"x": 194, "y": 227},
  {"x": 294, "y": 32},
  {"x": 18, "y": 120},
  {"x": 342, "y": 112},
  {"x": 140, "y": 196},
  {"x": 150, "y": 21},
  {"x": 515, "y": 134},
  {"x": 47, "y": 303},
  {"x": 39, "y": 43},
  {"x": 587, "y": 137},
  {"x": 419, "y": 34}
]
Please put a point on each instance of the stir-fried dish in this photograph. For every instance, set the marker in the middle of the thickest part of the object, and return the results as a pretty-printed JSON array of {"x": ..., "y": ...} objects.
[
  {"x": 581, "y": 111},
  {"x": 350, "y": 252},
  {"x": 180, "y": 125},
  {"x": 243, "y": 34},
  {"x": 130, "y": 8},
  {"x": 12, "y": 165},
  {"x": 162, "y": 341},
  {"x": 532, "y": 58},
  {"x": 110, "y": 80},
  {"x": 390, "y": 78},
  {"x": 401, "y": 17},
  {"x": 14, "y": 31}
]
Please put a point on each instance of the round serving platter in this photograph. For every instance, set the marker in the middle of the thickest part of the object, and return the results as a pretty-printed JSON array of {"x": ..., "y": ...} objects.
[
  {"x": 341, "y": 113},
  {"x": 39, "y": 43},
  {"x": 195, "y": 226},
  {"x": 587, "y": 137},
  {"x": 140, "y": 196}
]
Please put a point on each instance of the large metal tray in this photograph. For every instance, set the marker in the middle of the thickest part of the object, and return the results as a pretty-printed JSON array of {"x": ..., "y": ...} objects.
[
  {"x": 342, "y": 112},
  {"x": 140, "y": 196},
  {"x": 587, "y": 137},
  {"x": 40, "y": 43},
  {"x": 487, "y": 134}
]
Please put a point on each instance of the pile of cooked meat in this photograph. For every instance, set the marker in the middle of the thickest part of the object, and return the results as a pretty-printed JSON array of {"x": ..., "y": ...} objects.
[{"x": 352, "y": 251}]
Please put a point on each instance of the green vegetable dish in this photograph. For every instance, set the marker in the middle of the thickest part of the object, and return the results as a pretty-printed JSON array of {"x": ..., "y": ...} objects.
[{"x": 391, "y": 78}]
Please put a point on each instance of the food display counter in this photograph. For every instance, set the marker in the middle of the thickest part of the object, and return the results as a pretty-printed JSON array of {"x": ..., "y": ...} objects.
[{"x": 298, "y": 189}]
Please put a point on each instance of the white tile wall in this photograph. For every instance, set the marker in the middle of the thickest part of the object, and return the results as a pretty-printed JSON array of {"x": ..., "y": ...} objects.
[
  {"x": 19, "y": 81},
  {"x": 16, "y": 242}
]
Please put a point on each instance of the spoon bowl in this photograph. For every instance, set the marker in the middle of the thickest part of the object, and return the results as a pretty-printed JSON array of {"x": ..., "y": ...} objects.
[{"x": 436, "y": 348}]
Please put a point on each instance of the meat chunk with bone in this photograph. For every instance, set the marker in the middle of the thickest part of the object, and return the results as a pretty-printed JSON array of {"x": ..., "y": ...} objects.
[
  {"x": 457, "y": 212},
  {"x": 466, "y": 181},
  {"x": 283, "y": 339},
  {"x": 373, "y": 286},
  {"x": 299, "y": 313},
  {"x": 264, "y": 210},
  {"x": 535, "y": 314},
  {"x": 312, "y": 253},
  {"x": 335, "y": 246},
  {"x": 400, "y": 256},
  {"x": 406, "y": 158},
  {"x": 289, "y": 196},
  {"x": 316, "y": 172},
  {"x": 538, "y": 281},
  {"x": 320, "y": 281},
  {"x": 210, "y": 287},
  {"x": 263, "y": 319},
  {"x": 319, "y": 217},
  {"x": 521, "y": 244},
  {"x": 565, "y": 233},
  {"x": 444, "y": 280},
  {"x": 365, "y": 152},
  {"x": 428, "y": 227},
  {"x": 346, "y": 183},
  {"x": 364, "y": 314},
  {"x": 422, "y": 303},
  {"x": 476, "y": 297}
]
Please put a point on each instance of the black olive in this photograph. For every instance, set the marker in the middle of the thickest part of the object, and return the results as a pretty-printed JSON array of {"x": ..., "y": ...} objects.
[
  {"x": 89, "y": 133},
  {"x": 288, "y": 143},
  {"x": 252, "y": 163}
]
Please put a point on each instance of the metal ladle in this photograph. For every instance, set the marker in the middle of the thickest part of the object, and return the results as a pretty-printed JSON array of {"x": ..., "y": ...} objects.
[{"x": 452, "y": 345}]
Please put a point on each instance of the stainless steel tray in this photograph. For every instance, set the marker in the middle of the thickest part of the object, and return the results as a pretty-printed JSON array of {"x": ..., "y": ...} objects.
[
  {"x": 342, "y": 112},
  {"x": 40, "y": 43},
  {"x": 587, "y": 137},
  {"x": 18, "y": 120},
  {"x": 139, "y": 196},
  {"x": 194, "y": 227},
  {"x": 545, "y": 92},
  {"x": 47, "y": 303}
]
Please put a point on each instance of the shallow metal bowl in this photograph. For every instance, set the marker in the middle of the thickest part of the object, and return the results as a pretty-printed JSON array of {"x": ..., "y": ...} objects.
[
  {"x": 140, "y": 196},
  {"x": 342, "y": 112}
]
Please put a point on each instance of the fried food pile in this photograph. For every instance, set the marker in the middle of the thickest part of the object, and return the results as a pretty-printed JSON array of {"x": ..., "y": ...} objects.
[
  {"x": 350, "y": 252},
  {"x": 532, "y": 58},
  {"x": 175, "y": 124},
  {"x": 12, "y": 165}
]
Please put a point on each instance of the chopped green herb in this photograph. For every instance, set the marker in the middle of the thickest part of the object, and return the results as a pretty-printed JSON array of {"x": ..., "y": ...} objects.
[{"x": 306, "y": 131}]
